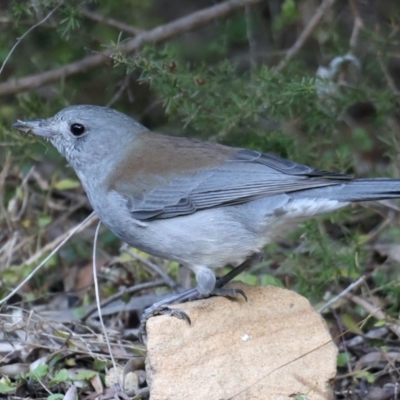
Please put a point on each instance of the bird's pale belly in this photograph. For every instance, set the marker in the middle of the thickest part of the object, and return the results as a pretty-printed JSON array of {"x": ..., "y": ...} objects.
[{"x": 212, "y": 237}]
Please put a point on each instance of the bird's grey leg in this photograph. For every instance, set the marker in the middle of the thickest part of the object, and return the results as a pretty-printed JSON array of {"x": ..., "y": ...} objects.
[
  {"x": 219, "y": 290},
  {"x": 254, "y": 259},
  {"x": 161, "y": 307}
]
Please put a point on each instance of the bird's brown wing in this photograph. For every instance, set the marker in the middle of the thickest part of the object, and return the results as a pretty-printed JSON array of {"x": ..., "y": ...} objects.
[{"x": 245, "y": 176}]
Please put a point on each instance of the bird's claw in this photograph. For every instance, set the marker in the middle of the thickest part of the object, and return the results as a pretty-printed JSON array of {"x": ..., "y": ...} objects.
[
  {"x": 159, "y": 310},
  {"x": 175, "y": 312},
  {"x": 231, "y": 292}
]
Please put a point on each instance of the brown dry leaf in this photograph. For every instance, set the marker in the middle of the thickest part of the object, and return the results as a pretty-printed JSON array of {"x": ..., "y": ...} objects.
[
  {"x": 390, "y": 250},
  {"x": 129, "y": 379},
  {"x": 13, "y": 350},
  {"x": 97, "y": 384},
  {"x": 376, "y": 357},
  {"x": 271, "y": 347},
  {"x": 13, "y": 370},
  {"x": 79, "y": 280},
  {"x": 71, "y": 393},
  {"x": 113, "y": 376}
]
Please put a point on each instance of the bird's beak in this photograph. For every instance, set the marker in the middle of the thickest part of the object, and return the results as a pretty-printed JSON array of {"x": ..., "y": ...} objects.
[{"x": 36, "y": 127}]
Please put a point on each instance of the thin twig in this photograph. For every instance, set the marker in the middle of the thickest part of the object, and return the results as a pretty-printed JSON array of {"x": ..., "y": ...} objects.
[
  {"x": 370, "y": 236},
  {"x": 120, "y": 91},
  {"x": 117, "y": 296},
  {"x": 97, "y": 294},
  {"x": 153, "y": 267},
  {"x": 373, "y": 310},
  {"x": 39, "y": 380},
  {"x": 250, "y": 34},
  {"x": 304, "y": 35},
  {"x": 24, "y": 189},
  {"x": 156, "y": 35},
  {"x": 49, "y": 246},
  {"x": 61, "y": 240},
  {"x": 66, "y": 214},
  {"x": 358, "y": 25},
  {"x": 3, "y": 176},
  {"x": 111, "y": 22},
  {"x": 390, "y": 81},
  {"x": 355, "y": 284},
  {"x": 29, "y": 31}
]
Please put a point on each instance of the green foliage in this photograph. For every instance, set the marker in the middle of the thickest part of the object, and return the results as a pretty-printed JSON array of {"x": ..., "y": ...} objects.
[
  {"x": 366, "y": 375},
  {"x": 343, "y": 359},
  {"x": 52, "y": 375},
  {"x": 71, "y": 22},
  {"x": 39, "y": 372},
  {"x": 6, "y": 386},
  {"x": 55, "y": 396},
  {"x": 288, "y": 15}
]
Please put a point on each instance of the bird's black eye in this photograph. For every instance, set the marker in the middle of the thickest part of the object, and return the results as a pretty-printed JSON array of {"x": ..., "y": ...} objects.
[{"x": 77, "y": 129}]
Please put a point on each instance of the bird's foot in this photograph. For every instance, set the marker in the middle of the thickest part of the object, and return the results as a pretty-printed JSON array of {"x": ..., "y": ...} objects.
[{"x": 161, "y": 308}]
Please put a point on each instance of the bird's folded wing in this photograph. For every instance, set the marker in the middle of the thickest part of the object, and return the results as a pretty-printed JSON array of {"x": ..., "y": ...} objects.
[{"x": 247, "y": 176}]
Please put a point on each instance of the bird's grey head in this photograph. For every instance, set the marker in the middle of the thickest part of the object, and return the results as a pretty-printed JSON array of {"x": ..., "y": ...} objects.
[{"x": 85, "y": 134}]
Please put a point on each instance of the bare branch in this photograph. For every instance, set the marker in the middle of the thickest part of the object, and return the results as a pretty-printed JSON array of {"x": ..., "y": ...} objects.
[
  {"x": 304, "y": 35},
  {"x": 158, "y": 34},
  {"x": 342, "y": 294},
  {"x": 111, "y": 22},
  {"x": 28, "y": 31}
]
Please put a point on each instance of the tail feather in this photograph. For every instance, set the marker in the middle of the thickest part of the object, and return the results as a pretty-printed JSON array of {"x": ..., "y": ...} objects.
[{"x": 354, "y": 191}]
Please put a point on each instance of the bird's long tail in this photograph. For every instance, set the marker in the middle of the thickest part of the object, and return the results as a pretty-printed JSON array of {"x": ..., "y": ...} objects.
[{"x": 353, "y": 191}]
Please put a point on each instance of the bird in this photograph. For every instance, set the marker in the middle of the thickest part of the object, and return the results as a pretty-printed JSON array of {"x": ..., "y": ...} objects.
[{"x": 202, "y": 204}]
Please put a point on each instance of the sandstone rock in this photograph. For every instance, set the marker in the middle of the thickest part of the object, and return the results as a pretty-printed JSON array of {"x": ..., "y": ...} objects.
[{"x": 274, "y": 346}]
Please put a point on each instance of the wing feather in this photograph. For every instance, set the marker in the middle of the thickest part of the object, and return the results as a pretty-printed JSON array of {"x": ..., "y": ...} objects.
[{"x": 247, "y": 176}]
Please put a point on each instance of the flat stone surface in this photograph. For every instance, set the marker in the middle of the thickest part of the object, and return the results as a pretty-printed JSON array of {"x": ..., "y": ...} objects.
[{"x": 274, "y": 346}]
